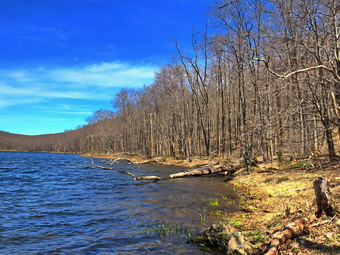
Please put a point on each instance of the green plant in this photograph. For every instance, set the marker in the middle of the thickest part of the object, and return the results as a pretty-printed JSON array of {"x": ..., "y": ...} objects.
[
  {"x": 165, "y": 229},
  {"x": 218, "y": 212},
  {"x": 238, "y": 221},
  {"x": 214, "y": 203},
  {"x": 258, "y": 236},
  {"x": 302, "y": 164},
  {"x": 202, "y": 218}
]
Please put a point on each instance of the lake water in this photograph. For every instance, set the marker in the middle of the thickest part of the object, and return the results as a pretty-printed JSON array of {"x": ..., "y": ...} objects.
[{"x": 51, "y": 204}]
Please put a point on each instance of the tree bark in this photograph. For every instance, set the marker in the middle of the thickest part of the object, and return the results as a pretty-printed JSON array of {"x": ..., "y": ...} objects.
[{"x": 323, "y": 197}]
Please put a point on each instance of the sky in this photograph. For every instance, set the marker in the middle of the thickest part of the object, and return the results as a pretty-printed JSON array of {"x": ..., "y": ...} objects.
[{"x": 61, "y": 60}]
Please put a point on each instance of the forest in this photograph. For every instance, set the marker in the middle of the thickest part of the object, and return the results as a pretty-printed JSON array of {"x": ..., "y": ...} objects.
[{"x": 263, "y": 78}]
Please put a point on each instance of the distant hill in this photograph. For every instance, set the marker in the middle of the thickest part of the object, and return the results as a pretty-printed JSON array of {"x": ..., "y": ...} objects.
[{"x": 70, "y": 141}]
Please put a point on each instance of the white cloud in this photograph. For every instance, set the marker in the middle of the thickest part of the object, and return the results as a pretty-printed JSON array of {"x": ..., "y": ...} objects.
[
  {"x": 114, "y": 74},
  {"x": 11, "y": 102},
  {"x": 87, "y": 82},
  {"x": 40, "y": 92}
]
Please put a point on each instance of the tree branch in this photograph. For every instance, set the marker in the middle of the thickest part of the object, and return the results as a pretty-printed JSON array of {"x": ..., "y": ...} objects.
[
  {"x": 285, "y": 76},
  {"x": 229, "y": 3}
]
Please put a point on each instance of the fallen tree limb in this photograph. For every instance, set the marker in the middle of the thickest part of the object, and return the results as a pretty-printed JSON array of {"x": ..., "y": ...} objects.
[
  {"x": 227, "y": 169},
  {"x": 127, "y": 173},
  {"x": 101, "y": 167},
  {"x": 112, "y": 161},
  {"x": 209, "y": 170},
  {"x": 289, "y": 231},
  {"x": 152, "y": 177},
  {"x": 324, "y": 222},
  {"x": 323, "y": 200}
]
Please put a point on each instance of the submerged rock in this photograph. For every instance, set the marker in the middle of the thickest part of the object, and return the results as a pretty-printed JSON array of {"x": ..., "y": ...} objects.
[{"x": 224, "y": 238}]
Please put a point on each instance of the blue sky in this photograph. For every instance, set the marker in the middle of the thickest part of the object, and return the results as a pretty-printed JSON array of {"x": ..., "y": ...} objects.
[{"x": 61, "y": 60}]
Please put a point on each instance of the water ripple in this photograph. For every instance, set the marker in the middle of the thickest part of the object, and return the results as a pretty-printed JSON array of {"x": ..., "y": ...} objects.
[{"x": 51, "y": 205}]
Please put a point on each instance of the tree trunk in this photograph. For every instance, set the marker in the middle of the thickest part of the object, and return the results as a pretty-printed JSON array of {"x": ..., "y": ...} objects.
[
  {"x": 330, "y": 143},
  {"x": 323, "y": 197}
]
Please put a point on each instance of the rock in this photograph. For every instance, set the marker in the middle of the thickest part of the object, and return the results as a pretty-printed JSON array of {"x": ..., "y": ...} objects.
[
  {"x": 224, "y": 238},
  {"x": 237, "y": 245}
]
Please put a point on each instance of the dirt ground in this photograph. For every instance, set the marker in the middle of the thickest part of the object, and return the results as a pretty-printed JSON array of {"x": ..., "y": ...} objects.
[{"x": 275, "y": 194}]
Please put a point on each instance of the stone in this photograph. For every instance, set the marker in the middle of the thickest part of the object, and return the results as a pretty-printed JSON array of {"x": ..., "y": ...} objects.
[{"x": 237, "y": 245}]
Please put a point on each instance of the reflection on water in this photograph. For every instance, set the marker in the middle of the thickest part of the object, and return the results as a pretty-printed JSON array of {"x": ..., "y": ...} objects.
[{"x": 51, "y": 204}]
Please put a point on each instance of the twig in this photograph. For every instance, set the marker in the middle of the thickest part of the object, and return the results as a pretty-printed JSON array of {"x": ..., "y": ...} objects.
[
  {"x": 293, "y": 190},
  {"x": 229, "y": 3},
  {"x": 323, "y": 222}
]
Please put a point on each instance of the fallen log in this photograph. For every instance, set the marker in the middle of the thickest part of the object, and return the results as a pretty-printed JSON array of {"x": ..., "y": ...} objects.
[
  {"x": 208, "y": 170},
  {"x": 280, "y": 237},
  {"x": 227, "y": 169},
  {"x": 323, "y": 199},
  {"x": 151, "y": 177}
]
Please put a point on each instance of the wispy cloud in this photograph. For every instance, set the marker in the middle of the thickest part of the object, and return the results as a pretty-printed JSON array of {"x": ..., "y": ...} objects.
[
  {"x": 6, "y": 102},
  {"x": 106, "y": 75},
  {"x": 47, "y": 100},
  {"x": 86, "y": 82}
]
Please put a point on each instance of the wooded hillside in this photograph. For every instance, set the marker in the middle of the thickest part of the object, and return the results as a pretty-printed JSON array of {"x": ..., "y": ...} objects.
[{"x": 268, "y": 81}]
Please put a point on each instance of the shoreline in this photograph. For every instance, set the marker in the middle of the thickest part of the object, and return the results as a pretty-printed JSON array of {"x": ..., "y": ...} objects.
[
  {"x": 166, "y": 161},
  {"x": 271, "y": 196}
]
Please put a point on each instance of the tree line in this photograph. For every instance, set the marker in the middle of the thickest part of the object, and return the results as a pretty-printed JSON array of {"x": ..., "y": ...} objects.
[{"x": 266, "y": 80}]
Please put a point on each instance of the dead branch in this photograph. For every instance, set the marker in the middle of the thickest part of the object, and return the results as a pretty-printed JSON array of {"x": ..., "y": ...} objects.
[
  {"x": 229, "y": 3},
  {"x": 289, "y": 231},
  {"x": 285, "y": 76},
  {"x": 112, "y": 161},
  {"x": 226, "y": 169},
  {"x": 324, "y": 222},
  {"x": 101, "y": 167}
]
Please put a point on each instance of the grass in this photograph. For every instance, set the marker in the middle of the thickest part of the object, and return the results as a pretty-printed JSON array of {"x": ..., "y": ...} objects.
[
  {"x": 264, "y": 204},
  {"x": 165, "y": 229},
  {"x": 214, "y": 203}
]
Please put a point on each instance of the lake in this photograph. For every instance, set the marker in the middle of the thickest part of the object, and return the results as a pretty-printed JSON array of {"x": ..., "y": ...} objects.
[{"x": 51, "y": 204}]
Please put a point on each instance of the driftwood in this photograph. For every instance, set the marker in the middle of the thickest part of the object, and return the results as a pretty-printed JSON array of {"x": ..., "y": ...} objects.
[
  {"x": 101, "y": 167},
  {"x": 209, "y": 170},
  {"x": 280, "y": 237},
  {"x": 227, "y": 169},
  {"x": 152, "y": 177},
  {"x": 112, "y": 161},
  {"x": 323, "y": 197}
]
